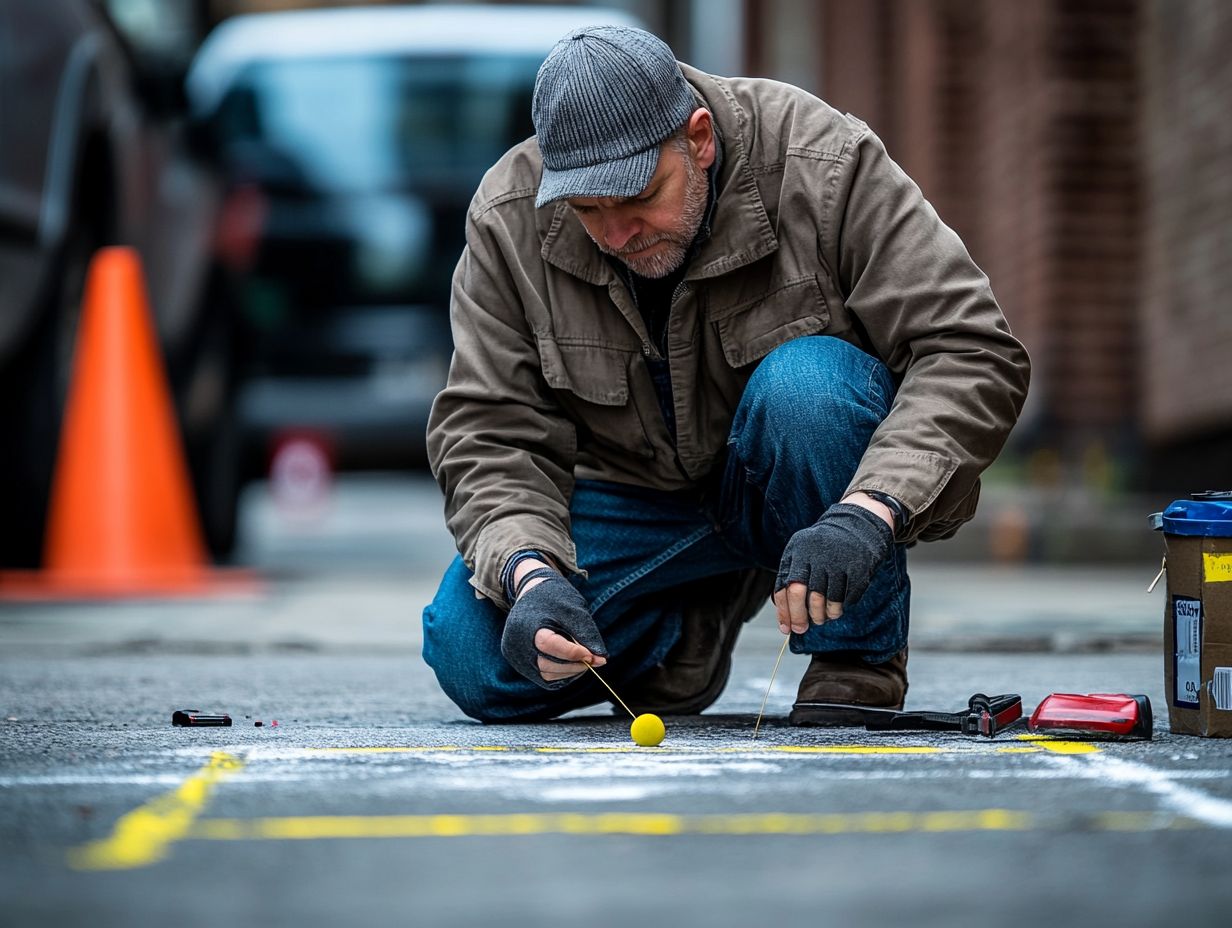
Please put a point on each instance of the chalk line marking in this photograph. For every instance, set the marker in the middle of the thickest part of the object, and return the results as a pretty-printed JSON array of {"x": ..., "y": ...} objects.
[
  {"x": 658, "y": 824},
  {"x": 142, "y": 836},
  {"x": 256, "y": 774},
  {"x": 543, "y": 749},
  {"x": 1191, "y": 802},
  {"x": 1059, "y": 746}
]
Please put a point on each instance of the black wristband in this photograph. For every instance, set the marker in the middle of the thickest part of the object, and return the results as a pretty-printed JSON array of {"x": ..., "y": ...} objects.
[
  {"x": 511, "y": 564},
  {"x": 532, "y": 575},
  {"x": 902, "y": 518}
]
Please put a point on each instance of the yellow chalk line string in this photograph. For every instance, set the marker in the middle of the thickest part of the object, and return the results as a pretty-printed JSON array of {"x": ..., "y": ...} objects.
[
  {"x": 612, "y": 691},
  {"x": 142, "y": 836},
  {"x": 786, "y": 638},
  {"x": 591, "y": 668}
]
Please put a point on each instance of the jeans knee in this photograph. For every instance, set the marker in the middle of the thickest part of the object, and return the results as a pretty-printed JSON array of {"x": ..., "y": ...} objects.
[
  {"x": 460, "y": 642},
  {"x": 817, "y": 375},
  {"x": 811, "y": 394},
  {"x": 459, "y": 671}
]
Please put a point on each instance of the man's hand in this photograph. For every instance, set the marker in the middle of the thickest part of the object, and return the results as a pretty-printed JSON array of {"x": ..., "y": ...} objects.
[
  {"x": 549, "y": 635},
  {"x": 832, "y": 562}
]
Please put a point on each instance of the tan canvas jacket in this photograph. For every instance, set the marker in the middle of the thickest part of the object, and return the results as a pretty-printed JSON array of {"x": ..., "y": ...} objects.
[{"x": 815, "y": 231}]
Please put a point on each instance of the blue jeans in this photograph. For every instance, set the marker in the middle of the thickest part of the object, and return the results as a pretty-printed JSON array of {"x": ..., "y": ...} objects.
[{"x": 802, "y": 425}]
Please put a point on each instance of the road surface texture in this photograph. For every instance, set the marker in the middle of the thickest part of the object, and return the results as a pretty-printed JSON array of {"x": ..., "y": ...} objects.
[{"x": 374, "y": 801}]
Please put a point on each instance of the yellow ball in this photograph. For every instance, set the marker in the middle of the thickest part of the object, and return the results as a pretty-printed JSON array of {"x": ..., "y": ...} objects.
[{"x": 647, "y": 730}]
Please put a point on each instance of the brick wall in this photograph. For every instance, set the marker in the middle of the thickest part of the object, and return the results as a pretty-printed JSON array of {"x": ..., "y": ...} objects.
[
  {"x": 1186, "y": 304},
  {"x": 1018, "y": 122},
  {"x": 1091, "y": 192}
]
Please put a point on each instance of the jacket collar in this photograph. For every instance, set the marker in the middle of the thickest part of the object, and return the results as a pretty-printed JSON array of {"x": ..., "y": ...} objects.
[{"x": 741, "y": 232}]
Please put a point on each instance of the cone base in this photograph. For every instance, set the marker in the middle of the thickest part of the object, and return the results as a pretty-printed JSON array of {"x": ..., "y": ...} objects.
[{"x": 59, "y": 585}]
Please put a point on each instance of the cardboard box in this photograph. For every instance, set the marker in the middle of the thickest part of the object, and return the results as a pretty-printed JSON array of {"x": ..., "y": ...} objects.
[{"x": 1198, "y": 618}]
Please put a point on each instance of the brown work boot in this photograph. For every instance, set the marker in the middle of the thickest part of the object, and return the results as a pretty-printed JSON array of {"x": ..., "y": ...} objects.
[
  {"x": 695, "y": 670},
  {"x": 839, "y": 684}
]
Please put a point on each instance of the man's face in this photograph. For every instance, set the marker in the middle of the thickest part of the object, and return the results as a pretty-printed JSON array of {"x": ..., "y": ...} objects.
[{"x": 651, "y": 232}]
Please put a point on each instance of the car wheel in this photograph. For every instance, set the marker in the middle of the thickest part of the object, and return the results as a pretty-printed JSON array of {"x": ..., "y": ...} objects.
[
  {"x": 216, "y": 478},
  {"x": 211, "y": 428},
  {"x": 33, "y": 392}
]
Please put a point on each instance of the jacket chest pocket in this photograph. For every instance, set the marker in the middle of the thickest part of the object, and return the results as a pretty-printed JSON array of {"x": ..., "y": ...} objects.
[
  {"x": 750, "y": 329},
  {"x": 592, "y": 385}
]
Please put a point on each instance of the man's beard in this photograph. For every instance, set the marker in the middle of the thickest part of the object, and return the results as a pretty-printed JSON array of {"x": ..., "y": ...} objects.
[{"x": 679, "y": 238}]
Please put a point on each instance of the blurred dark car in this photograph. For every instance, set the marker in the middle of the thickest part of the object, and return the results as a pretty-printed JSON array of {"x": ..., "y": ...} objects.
[
  {"x": 351, "y": 141},
  {"x": 89, "y": 157}
]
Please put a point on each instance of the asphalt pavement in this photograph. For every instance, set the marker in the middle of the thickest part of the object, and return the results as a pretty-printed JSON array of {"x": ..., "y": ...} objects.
[{"x": 373, "y": 800}]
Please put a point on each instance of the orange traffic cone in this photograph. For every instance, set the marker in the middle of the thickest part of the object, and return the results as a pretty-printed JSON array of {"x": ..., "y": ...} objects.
[{"x": 122, "y": 520}]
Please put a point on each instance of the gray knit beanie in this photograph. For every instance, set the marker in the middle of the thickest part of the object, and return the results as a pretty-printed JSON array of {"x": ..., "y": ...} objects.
[{"x": 605, "y": 98}]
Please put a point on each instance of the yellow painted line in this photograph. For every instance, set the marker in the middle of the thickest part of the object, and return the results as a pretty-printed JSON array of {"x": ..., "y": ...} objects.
[
  {"x": 855, "y": 749},
  {"x": 555, "y": 750},
  {"x": 751, "y": 749},
  {"x": 142, "y": 836},
  {"x": 780, "y": 748},
  {"x": 1140, "y": 821},
  {"x": 1059, "y": 746},
  {"x": 1036, "y": 743},
  {"x": 608, "y": 823},
  {"x": 410, "y": 749},
  {"x": 641, "y": 824}
]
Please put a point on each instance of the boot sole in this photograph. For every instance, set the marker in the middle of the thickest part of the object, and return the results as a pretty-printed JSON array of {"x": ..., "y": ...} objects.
[{"x": 835, "y": 714}]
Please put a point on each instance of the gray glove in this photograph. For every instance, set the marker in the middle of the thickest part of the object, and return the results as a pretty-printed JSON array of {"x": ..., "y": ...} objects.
[
  {"x": 837, "y": 556},
  {"x": 553, "y": 604}
]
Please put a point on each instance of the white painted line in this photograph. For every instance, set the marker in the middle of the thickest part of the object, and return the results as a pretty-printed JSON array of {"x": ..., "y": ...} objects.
[
  {"x": 313, "y": 774},
  {"x": 1183, "y": 799},
  {"x": 90, "y": 779}
]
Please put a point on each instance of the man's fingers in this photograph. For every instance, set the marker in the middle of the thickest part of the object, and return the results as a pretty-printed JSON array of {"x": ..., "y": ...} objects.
[
  {"x": 552, "y": 671},
  {"x": 557, "y": 645},
  {"x": 797, "y": 607},
  {"x": 818, "y": 608},
  {"x": 780, "y": 608},
  {"x": 574, "y": 656},
  {"x": 823, "y": 610}
]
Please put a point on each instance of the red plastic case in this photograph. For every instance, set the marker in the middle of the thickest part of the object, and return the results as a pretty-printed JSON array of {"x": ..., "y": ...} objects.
[{"x": 1107, "y": 713}]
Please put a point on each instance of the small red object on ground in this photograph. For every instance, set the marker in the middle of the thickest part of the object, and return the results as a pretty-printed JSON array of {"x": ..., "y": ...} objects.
[{"x": 1104, "y": 713}]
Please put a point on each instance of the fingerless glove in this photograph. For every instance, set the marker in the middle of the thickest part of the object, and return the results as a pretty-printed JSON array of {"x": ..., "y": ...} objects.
[
  {"x": 553, "y": 604},
  {"x": 838, "y": 555}
]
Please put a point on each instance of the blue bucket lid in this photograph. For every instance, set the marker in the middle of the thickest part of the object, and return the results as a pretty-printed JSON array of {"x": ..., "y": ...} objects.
[{"x": 1209, "y": 517}]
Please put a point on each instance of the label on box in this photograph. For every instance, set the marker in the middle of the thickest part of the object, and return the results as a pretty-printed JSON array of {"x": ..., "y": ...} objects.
[
  {"x": 1188, "y": 651},
  {"x": 1217, "y": 568},
  {"x": 1221, "y": 688}
]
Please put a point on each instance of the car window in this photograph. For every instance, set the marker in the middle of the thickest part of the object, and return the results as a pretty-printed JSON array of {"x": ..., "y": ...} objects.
[{"x": 367, "y": 124}]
